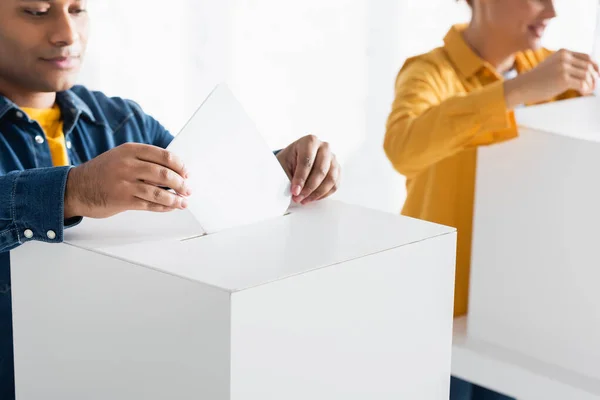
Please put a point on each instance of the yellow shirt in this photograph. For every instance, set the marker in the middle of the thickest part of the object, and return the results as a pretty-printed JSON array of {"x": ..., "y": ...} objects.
[
  {"x": 52, "y": 125},
  {"x": 448, "y": 102}
]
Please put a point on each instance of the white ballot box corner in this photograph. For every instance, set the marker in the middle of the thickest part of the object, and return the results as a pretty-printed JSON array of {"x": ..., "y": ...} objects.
[
  {"x": 330, "y": 301},
  {"x": 534, "y": 273}
]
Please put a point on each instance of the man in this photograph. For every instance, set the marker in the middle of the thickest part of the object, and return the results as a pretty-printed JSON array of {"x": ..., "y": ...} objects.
[
  {"x": 460, "y": 96},
  {"x": 68, "y": 153}
]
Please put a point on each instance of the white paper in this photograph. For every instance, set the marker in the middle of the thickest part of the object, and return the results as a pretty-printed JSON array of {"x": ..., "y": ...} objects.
[{"x": 234, "y": 176}]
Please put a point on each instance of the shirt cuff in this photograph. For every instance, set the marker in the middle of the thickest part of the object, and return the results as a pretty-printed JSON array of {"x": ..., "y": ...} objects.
[
  {"x": 494, "y": 114},
  {"x": 38, "y": 201}
]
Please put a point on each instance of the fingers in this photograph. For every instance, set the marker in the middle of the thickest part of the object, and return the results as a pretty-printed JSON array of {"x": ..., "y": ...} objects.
[
  {"x": 331, "y": 192},
  {"x": 157, "y": 166},
  {"x": 159, "y": 198},
  {"x": 143, "y": 205},
  {"x": 582, "y": 80},
  {"x": 159, "y": 175},
  {"x": 581, "y": 65},
  {"x": 328, "y": 186},
  {"x": 306, "y": 154},
  {"x": 318, "y": 173},
  {"x": 162, "y": 157},
  {"x": 586, "y": 58},
  {"x": 583, "y": 70},
  {"x": 590, "y": 82}
]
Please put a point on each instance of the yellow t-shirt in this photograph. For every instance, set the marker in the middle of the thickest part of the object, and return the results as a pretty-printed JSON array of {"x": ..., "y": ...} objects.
[
  {"x": 51, "y": 122},
  {"x": 448, "y": 102}
]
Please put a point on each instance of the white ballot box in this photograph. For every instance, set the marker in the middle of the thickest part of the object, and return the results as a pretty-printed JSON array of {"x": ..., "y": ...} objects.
[
  {"x": 535, "y": 275},
  {"x": 332, "y": 301}
]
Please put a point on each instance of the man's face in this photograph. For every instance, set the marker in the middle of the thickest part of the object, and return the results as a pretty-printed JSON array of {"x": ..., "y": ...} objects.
[
  {"x": 42, "y": 43},
  {"x": 522, "y": 22}
]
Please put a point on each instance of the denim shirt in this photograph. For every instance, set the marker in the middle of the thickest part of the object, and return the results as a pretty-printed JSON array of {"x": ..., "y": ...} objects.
[{"x": 32, "y": 190}]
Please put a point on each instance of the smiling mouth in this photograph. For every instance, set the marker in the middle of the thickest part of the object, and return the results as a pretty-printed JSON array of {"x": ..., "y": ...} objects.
[{"x": 537, "y": 30}]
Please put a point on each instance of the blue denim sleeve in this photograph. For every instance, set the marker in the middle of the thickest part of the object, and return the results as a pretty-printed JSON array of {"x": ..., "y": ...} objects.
[
  {"x": 152, "y": 131},
  {"x": 32, "y": 206},
  {"x": 161, "y": 137}
]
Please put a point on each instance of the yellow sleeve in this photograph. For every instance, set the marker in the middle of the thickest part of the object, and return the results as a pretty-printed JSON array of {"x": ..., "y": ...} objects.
[
  {"x": 424, "y": 127},
  {"x": 569, "y": 94}
]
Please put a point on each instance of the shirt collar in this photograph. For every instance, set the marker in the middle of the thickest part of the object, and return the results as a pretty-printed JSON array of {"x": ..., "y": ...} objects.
[
  {"x": 5, "y": 106},
  {"x": 461, "y": 54},
  {"x": 467, "y": 61},
  {"x": 71, "y": 106}
]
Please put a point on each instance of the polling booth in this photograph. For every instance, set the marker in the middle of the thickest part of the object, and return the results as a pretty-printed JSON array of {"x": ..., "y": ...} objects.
[
  {"x": 239, "y": 298},
  {"x": 533, "y": 329}
]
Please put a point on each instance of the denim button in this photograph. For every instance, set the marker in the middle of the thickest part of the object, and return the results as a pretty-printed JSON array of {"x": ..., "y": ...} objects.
[
  {"x": 39, "y": 139},
  {"x": 51, "y": 235},
  {"x": 28, "y": 233}
]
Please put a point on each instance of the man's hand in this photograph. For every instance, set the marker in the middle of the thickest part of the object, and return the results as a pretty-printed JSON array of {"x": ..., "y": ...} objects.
[
  {"x": 312, "y": 168},
  {"x": 129, "y": 177},
  {"x": 562, "y": 71}
]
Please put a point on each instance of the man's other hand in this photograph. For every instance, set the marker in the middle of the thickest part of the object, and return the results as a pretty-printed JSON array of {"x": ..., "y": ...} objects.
[{"x": 312, "y": 168}]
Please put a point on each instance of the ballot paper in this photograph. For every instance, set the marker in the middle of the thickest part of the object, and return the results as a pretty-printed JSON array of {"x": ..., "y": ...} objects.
[{"x": 234, "y": 177}]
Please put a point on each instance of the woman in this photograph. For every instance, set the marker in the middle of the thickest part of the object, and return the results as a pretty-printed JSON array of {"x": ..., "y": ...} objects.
[{"x": 460, "y": 96}]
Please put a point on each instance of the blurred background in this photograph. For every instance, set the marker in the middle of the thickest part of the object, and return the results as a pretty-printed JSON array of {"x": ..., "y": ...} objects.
[{"x": 314, "y": 66}]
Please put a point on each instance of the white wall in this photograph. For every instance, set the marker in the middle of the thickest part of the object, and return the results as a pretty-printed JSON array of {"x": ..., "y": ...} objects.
[
  {"x": 315, "y": 66},
  {"x": 574, "y": 27},
  {"x": 166, "y": 56}
]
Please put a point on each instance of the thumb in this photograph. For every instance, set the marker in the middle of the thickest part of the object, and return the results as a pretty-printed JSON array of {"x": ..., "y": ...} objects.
[
  {"x": 297, "y": 184},
  {"x": 288, "y": 163}
]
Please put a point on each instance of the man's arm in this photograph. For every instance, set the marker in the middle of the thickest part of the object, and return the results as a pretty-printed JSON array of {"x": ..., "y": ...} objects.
[{"x": 32, "y": 206}]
